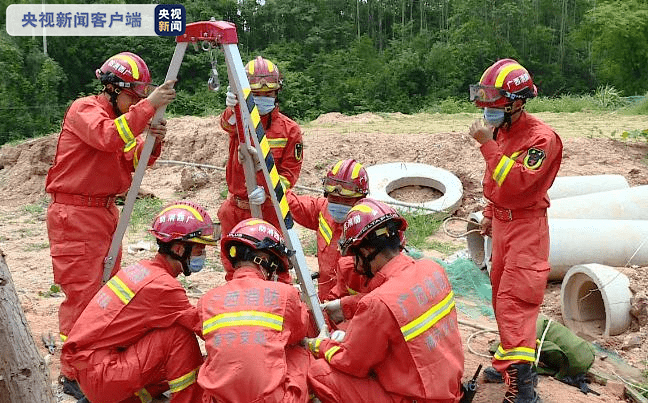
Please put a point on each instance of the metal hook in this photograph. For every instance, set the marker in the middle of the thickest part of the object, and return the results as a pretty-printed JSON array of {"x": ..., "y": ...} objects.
[
  {"x": 213, "y": 83},
  {"x": 206, "y": 46}
]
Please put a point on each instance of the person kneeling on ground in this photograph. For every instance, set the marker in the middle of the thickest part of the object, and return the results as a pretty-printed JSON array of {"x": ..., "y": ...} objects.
[
  {"x": 403, "y": 342},
  {"x": 252, "y": 326},
  {"x": 137, "y": 337}
]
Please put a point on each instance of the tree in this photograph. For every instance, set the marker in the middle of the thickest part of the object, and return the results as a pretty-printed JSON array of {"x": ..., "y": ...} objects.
[{"x": 24, "y": 377}]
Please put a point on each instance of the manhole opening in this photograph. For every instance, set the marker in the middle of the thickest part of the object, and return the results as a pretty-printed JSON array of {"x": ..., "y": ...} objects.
[{"x": 415, "y": 190}]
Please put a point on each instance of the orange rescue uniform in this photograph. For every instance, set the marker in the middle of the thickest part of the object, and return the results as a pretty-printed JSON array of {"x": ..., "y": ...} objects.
[
  {"x": 252, "y": 328},
  {"x": 285, "y": 140},
  {"x": 405, "y": 333},
  {"x": 96, "y": 154},
  {"x": 312, "y": 213},
  {"x": 137, "y": 338},
  {"x": 521, "y": 166},
  {"x": 350, "y": 287}
]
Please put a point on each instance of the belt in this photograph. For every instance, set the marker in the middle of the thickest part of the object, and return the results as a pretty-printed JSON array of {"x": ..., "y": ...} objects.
[
  {"x": 504, "y": 214},
  {"x": 83, "y": 200},
  {"x": 241, "y": 203}
]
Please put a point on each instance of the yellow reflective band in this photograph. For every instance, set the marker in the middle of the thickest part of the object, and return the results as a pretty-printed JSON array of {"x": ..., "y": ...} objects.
[
  {"x": 135, "y": 160},
  {"x": 363, "y": 208},
  {"x": 502, "y": 169},
  {"x": 120, "y": 289},
  {"x": 63, "y": 337},
  {"x": 517, "y": 353},
  {"x": 271, "y": 66},
  {"x": 325, "y": 229},
  {"x": 190, "y": 209},
  {"x": 278, "y": 143},
  {"x": 505, "y": 71},
  {"x": 429, "y": 318},
  {"x": 314, "y": 345},
  {"x": 131, "y": 62},
  {"x": 125, "y": 133},
  {"x": 144, "y": 395},
  {"x": 351, "y": 291},
  {"x": 329, "y": 353},
  {"x": 336, "y": 168},
  {"x": 243, "y": 318},
  {"x": 356, "y": 170},
  {"x": 178, "y": 384}
]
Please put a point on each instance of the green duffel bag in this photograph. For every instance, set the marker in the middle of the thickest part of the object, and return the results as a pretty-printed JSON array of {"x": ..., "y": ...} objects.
[{"x": 562, "y": 353}]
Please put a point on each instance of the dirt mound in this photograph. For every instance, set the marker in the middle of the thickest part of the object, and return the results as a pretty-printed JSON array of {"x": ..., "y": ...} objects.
[
  {"x": 25, "y": 167},
  {"x": 337, "y": 117}
]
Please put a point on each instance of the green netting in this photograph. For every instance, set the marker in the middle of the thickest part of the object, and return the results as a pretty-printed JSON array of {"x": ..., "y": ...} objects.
[{"x": 472, "y": 285}]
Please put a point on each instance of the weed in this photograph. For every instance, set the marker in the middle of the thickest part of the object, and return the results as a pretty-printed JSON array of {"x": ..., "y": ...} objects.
[
  {"x": 37, "y": 208},
  {"x": 53, "y": 290},
  {"x": 446, "y": 248},
  {"x": 31, "y": 247},
  {"x": 144, "y": 211},
  {"x": 421, "y": 226}
]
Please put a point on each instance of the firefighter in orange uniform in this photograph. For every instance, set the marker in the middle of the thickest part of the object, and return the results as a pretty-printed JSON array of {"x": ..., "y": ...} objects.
[
  {"x": 285, "y": 140},
  {"x": 137, "y": 337},
  {"x": 350, "y": 286},
  {"x": 403, "y": 342},
  {"x": 97, "y": 152},
  {"x": 345, "y": 184},
  {"x": 522, "y": 156},
  {"x": 252, "y": 326}
]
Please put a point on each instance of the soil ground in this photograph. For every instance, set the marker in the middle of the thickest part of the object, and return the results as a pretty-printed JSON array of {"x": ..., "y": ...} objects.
[{"x": 439, "y": 140}]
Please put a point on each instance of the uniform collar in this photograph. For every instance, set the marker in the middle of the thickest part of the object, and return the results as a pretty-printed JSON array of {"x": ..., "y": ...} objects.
[
  {"x": 248, "y": 272},
  {"x": 393, "y": 267}
]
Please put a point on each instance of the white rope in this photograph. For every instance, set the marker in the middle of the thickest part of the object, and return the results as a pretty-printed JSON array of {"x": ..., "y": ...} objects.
[{"x": 542, "y": 339}]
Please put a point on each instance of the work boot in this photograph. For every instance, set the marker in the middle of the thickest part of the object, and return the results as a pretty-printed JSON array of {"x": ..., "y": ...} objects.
[
  {"x": 491, "y": 375},
  {"x": 71, "y": 387},
  {"x": 521, "y": 379}
]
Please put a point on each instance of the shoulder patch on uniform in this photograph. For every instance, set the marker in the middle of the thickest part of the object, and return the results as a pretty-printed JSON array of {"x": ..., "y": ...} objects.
[
  {"x": 299, "y": 151},
  {"x": 534, "y": 158}
]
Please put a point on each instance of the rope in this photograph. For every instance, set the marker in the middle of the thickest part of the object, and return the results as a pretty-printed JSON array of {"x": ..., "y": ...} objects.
[
  {"x": 542, "y": 339},
  {"x": 458, "y": 235},
  {"x": 472, "y": 335}
]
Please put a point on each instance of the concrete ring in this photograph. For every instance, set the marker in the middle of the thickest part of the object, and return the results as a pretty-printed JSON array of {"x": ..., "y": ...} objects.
[{"x": 385, "y": 178}]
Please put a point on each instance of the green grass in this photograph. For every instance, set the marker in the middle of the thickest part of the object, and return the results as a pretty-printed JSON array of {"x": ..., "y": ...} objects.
[
  {"x": 421, "y": 226},
  {"x": 37, "y": 208},
  {"x": 144, "y": 211},
  {"x": 31, "y": 247}
]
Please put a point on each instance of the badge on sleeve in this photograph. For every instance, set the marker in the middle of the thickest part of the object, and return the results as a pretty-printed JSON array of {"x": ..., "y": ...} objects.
[
  {"x": 299, "y": 151},
  {"x": 534, "y": 158}
]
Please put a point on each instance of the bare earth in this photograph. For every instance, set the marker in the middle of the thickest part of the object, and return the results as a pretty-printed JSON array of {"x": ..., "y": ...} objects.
[{"x": 439, "y": 140}]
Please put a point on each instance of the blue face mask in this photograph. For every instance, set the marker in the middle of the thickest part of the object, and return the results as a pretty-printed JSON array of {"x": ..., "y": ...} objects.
[
  {"x": 264, "y": 104},
  {"x": 196, "y": 263},
  {"x": 494, "y": 116},
  {"x": 338, "y": 211}
]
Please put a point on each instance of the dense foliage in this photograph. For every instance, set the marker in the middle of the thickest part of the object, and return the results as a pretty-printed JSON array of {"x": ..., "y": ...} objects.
[{"x": 349, "y": 56}]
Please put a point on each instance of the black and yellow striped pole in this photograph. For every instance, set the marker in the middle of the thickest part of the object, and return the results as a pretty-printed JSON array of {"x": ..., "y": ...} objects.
[{"x": 255, "y": 136}]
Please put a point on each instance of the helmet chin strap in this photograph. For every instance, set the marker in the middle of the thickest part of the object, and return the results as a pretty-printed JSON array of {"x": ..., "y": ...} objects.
[
  {"x": 114, "y": 93},
  {"x": 508, "y": 115},
  {"x": 183, "y": 259},
  {"x": 365, "y": 262}
]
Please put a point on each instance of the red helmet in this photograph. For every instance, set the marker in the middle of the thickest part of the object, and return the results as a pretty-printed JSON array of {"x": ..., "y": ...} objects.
[
  {"x": 347, "y": 178},
  {"x": 126, "y": 70},
  {"x": 501, "y": 84},
  {"x": 258, "y": 235},
  {"x": 263, "y": 75},
  {"x": 184, "y": 221},
  {"x": 370, "y": 216}
]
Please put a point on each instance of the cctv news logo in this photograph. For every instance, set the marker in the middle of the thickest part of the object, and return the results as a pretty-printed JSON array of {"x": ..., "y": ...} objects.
[{"x": 96, "y": 20}]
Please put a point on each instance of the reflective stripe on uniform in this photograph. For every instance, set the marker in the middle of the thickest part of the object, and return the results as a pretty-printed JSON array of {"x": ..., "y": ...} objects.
[
  {"x": 429, "y": 318},
  {"x": 120, "y": 289},
  {"x": 329, "y": 353},
  {"x": 325, "y": 229},
  {"x": 243, "y": 318},
  {"x": 351, "y": 291},
  {"x": 504, "y": 167},
  {"x": 517, "y": 353},
  {"x": 144, "y": 395},
  {"x": 183, "y": 382},
  {"x": 125, "y": 133},
  {"x": 277, "y": 143}
]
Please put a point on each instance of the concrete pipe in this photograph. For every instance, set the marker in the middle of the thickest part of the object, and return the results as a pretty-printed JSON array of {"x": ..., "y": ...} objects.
[
  {"x": 570, "y": 186},
  {"x": 595, "y": 300},
  {"x": 385, "y": 178},
  {"x": 621, "y": 204},
  {"x": 479, "y": 246},
  {"x": 573, "y": 242}
]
